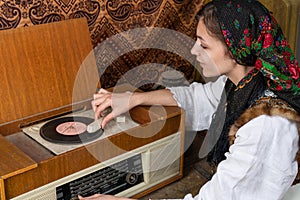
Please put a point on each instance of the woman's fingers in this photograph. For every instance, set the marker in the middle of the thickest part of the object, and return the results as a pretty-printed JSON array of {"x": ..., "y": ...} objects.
[
  {"x": 106, "y": 119},
  {"x": 119, "y": 102},
  {"x": 100, "y": 108},
  {"x": 93, "y": 197},
  {"x": 99, "y": 99},
  {"x": 103, "y": 91},
  {"x": 100, "y": 196}
]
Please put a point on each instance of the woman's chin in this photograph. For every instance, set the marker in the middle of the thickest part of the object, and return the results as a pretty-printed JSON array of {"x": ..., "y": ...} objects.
[{"x": 209, "y": 74}]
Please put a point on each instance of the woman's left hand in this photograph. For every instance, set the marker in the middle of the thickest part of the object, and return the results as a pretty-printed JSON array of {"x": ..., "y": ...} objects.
[{"x": 102, "y": 196}]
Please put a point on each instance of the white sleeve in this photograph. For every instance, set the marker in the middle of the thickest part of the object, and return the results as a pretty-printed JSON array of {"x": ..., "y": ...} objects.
[
  {"x": 199, "y": 101},
  {"x": 260, "y": 165}
]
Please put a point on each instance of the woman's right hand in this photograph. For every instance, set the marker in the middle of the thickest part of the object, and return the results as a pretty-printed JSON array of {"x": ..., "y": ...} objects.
[
  {"x": 122, "y": 102},
  {"x": 119, "y": 102}
]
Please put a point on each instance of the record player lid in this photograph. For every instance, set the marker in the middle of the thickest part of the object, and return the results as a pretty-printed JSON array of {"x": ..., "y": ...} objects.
[{"x": 45, "y": 68}]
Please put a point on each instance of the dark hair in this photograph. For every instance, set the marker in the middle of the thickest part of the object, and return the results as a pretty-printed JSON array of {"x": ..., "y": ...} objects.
[{"x": 209, "y": 14}]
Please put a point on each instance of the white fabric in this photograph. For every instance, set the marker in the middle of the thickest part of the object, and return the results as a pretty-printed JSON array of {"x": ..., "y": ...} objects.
[
  {"x": 260, "y": 165},
  {"x": 199, "y": 101}
]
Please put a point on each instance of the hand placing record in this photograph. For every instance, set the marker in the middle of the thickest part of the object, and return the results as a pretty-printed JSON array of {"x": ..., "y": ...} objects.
[{"x": 96, "y": 125}]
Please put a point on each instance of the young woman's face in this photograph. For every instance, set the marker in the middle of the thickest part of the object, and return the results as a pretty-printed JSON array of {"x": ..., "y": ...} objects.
[{"x": 211, "y": 53}]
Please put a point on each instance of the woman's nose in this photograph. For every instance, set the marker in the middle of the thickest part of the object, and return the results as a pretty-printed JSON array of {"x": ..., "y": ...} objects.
[{"x": 194, "y": 49}]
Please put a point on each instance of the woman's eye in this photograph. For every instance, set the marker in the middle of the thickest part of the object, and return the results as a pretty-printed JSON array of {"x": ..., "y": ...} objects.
[{"x": 201, "y": 45}]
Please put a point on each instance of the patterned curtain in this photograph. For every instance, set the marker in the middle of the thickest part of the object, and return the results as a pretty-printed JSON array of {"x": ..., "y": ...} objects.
[{"x": 107, "y": 18}]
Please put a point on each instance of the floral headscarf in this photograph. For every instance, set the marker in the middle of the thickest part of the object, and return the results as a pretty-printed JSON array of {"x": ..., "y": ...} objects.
[{"x": 254, "y": 38}]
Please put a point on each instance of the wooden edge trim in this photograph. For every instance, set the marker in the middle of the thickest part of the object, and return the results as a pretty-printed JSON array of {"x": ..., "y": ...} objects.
[
  {"x": 2, "y": 190},
  {"x": 20, "y": 171}
]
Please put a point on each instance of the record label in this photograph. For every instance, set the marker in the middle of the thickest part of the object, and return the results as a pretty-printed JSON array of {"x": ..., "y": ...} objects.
[{"x": 71, "y": 128}]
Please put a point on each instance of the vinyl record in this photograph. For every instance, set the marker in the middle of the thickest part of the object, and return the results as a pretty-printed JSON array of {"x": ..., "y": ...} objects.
[{"x": 69, "y": 130}]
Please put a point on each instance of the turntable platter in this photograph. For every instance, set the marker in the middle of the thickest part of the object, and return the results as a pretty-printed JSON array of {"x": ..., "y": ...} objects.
[{"x": 69, "y": 130}]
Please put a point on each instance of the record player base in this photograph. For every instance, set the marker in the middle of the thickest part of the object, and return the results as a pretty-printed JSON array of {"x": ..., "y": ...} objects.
[
  {"x": 156, "y": 164},
  {"x": 35, "y": 173}
]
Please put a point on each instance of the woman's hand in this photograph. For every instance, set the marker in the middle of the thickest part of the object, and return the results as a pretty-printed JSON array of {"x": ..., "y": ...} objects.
[
  {"x": 122, "y": 102},
  {"x": 119, "y": 102},
  {"x": 93, "y": 197},
  {"x": 102, "y": 196}
]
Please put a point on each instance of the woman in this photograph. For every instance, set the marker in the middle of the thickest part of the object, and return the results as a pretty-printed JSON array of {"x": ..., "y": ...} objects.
[{"x": 239, "y": 41}]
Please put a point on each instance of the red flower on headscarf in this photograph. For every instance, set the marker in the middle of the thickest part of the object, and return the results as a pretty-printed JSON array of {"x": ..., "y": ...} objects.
[
  {"x": 268, "y": 41},
  {"x": 294, "y": 71},
  {"x": 258, "y": 64},
  {"x": 247, "y": 37},
  {"x": 288, "y": 84},
  {"x": 228, "y": 42},
  {"x": 287, "y": 57},
  {"x": 279, "y": 87},
  {"x": 284, "y": 43},
  {"x": 248, "y": 41},
  {"x": 259, "y": 38}
]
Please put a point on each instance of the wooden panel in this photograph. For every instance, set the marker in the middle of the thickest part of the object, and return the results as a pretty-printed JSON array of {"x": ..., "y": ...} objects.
[
  {"x": 293, "y": 23},
  {"x": 146, "y": 114},
  {"x": 13, "y": 160},
  {"x": 28, "y": 145},
  {"x": 44, "y": 68}
]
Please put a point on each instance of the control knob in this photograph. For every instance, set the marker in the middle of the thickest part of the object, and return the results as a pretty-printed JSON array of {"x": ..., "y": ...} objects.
[{"x": 131, "y": 178}]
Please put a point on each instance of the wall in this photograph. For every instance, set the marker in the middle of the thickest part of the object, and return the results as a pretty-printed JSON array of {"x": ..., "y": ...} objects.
[{"x": 107, "y": 18}]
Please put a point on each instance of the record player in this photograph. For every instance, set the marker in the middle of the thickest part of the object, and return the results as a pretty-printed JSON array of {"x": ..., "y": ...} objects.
[{"x": 48, "y": 76}]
